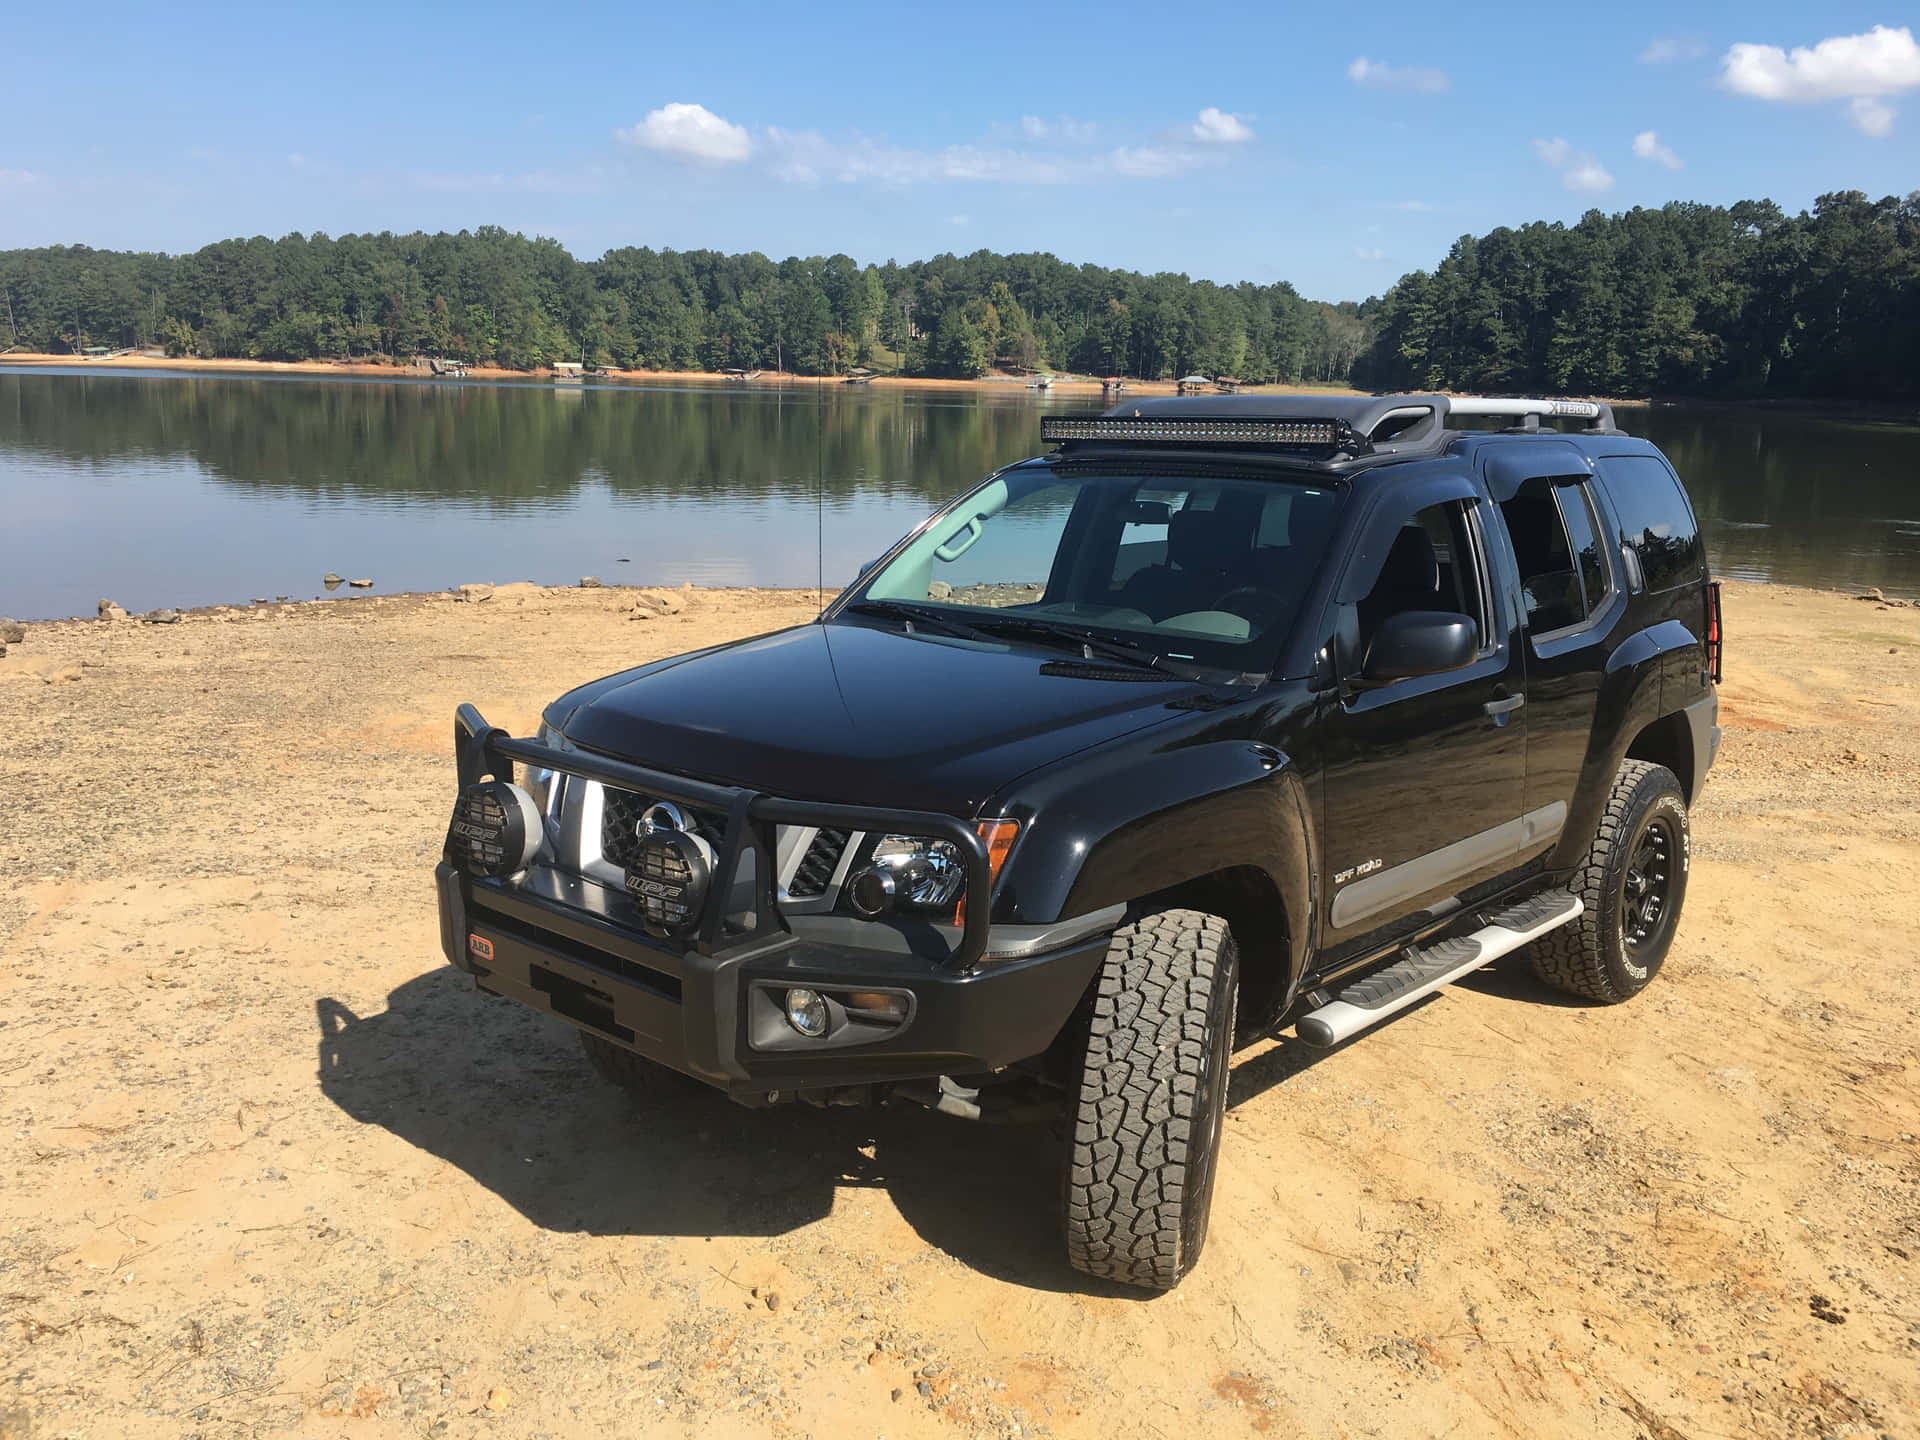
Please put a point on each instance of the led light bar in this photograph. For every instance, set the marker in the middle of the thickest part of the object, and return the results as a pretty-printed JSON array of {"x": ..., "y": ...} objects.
[{"x": 1298, "y": 434}]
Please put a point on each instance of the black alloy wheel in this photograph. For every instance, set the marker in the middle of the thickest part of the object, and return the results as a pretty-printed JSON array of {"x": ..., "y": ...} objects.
[{"x": 1632, "y": 883}]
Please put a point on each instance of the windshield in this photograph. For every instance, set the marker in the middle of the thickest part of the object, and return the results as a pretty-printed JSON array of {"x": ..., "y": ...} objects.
[{"x": 1206, "y": 568}]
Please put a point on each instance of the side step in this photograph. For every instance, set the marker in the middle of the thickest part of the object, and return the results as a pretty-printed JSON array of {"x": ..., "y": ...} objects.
[{"x": 1420, "y": 972}]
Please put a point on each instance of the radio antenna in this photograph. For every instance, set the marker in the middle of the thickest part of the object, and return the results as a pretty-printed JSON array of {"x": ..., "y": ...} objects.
[{"x": 820, "y": 496}]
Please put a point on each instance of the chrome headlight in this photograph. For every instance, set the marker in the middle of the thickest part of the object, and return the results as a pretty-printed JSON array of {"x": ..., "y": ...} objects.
[{"x": 909, "y": 872}]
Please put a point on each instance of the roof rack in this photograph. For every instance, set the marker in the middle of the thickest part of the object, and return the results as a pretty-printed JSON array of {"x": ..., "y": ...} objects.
[{"x": 1529, "y": 413}]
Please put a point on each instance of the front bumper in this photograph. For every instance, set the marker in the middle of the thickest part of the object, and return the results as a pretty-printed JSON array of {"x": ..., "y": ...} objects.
[
  {"x": 707, "y": 1005},
  {"x": 696, "y": 1014}
]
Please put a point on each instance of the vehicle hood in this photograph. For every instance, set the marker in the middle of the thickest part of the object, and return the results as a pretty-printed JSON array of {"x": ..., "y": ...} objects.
[{"x": 859, "y": 715}]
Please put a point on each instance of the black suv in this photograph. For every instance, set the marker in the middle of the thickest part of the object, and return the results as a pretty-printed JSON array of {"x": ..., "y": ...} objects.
[{"x": 1224, "y": 716}]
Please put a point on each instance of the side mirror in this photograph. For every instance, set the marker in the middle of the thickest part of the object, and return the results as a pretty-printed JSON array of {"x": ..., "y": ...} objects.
[
  {"x": 1416, "y": 643},
  {"x": 867, "y": 569}
]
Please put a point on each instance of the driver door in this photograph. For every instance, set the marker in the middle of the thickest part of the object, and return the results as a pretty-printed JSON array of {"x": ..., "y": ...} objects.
[{"x": 1424, "y": 778}]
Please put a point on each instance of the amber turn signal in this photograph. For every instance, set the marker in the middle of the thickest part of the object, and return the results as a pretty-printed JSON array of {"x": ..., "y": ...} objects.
[{"x": 999, "y": 835}]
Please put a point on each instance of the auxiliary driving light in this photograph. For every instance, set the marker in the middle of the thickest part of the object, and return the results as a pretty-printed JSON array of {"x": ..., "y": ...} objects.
[
  {"x": 807, "y": 1012},
  {"x": 497, "y": 829}
]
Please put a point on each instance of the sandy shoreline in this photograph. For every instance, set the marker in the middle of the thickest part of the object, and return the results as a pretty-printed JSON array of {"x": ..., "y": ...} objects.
[
  {"x": 268, "y": 1165},
  {"x": 321, "y": 369}
]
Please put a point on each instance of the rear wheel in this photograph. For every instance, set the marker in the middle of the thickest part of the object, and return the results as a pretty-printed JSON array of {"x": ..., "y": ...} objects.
[
  {"x": 1632, "y": 882},
  {"x": 633, "y": 1073},
  {"x": 1151, "y": 1094}
]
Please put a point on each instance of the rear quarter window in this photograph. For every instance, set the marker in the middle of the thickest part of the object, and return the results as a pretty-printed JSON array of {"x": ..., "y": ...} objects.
[{"x": 1655, "y": 519}]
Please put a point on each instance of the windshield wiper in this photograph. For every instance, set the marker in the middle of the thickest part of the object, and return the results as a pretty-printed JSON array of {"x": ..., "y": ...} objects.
[
  {"x": 1090, "y": 644},
  {"x": 914, "y": 615},
  {"x": 992, "y": 626}
]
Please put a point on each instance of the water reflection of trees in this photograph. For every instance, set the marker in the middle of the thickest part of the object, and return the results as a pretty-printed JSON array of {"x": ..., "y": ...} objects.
[
  {"x": 510, "y": 445},
  {"x": 1796, "y": 497}
]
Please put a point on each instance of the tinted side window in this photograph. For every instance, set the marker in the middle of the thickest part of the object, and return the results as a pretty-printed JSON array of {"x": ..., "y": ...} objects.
[
  {"x": 1549, "y": 578},
  {"x": 1577, "y": 511},
  {"x": 1655, "y": 519},
  {"x": 1430, "y": 566}
]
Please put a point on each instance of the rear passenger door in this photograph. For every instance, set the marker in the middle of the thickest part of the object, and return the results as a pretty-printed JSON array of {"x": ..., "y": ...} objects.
[{"x": 1570, "y": 596}]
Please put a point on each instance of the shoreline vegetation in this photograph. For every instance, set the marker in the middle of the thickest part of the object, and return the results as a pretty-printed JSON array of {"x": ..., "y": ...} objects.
[
  {"x": 321, "y": 369},
  {"x": 1744, "y": 302}
]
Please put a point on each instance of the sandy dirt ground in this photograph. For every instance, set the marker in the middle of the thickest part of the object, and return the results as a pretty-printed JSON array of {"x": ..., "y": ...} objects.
[
  {"x": 267, "y": 1166},
  {"x": 320, "y": 369}
]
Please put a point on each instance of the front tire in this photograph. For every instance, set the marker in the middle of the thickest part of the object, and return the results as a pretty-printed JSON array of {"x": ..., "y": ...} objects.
[
  {"x": 1151, "y": 1095},
  {"x": 1632, "y": 882}
]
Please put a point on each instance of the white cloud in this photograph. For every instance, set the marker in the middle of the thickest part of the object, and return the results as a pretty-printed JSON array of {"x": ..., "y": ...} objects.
[
  {"x": 807, "y": 157},
  {"x": 1362, "y": 253},
  {"x": 1216, "y": 127},
  {"x": 1064, "y": 128},
  {"x": 1378, "y": 75},
  {"x": 1880, "y": 62},
  {"x": 1874, "y": 117},
  {"x": 1648, "y": 147},
  {"x": 960, "y": 220},
  {"x": 1669, "y": 48},
  {"x": 1147, "y": 162},
  {"x": 19, "y": 179},
  {"x": 690, "y": 132},
  {"x": 1857, "y": 68},
  {"x": 1578, "y": 170}
]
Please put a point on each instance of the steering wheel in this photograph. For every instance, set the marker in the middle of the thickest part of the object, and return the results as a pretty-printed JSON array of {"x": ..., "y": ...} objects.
[{"x": 1273, "y": 603}]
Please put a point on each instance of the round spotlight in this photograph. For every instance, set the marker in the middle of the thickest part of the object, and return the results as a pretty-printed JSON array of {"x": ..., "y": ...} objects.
[
  {"x": 807, "y": 1012},
  {"x": 497, "y": 829},
  {"x": 871, "y": 892}
]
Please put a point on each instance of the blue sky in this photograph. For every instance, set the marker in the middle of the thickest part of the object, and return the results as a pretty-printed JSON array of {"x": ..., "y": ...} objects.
[{"x": 1334, "y": 148}]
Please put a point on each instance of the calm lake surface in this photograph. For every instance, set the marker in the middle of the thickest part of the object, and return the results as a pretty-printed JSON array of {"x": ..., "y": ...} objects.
[{"x": 157, "y": 489}]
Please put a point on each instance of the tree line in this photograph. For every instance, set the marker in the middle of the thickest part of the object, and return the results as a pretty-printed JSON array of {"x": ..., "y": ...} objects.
[
  {"x": 1743, "y": 300},
  {"x": 1689, "y": 299},
  {"x": 492, "y": 297}
]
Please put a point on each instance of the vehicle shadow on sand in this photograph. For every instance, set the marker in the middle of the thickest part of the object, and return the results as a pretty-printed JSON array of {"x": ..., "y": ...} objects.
[{"x": 505, "y": 1094}]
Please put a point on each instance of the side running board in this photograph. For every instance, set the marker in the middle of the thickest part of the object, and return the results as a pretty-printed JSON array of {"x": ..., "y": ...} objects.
[{"x": 1420, "y": 972}]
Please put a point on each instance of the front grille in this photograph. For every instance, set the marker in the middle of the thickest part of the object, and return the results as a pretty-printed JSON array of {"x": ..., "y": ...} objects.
[
  {"x": 620, "y": 819},
  {"x": 817, "y": 865}
]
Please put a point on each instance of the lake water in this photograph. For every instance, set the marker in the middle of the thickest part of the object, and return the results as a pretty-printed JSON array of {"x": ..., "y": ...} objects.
[{"x": 155, "y": 489}]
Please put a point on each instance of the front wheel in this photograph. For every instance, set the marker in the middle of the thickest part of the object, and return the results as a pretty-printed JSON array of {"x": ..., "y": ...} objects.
[
  {"x": 1632, "y": 882},
  {"x": 1151, "y": 1095}
]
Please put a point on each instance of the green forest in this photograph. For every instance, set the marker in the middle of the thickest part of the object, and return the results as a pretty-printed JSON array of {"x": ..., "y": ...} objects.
[
  {"x": 1689, "y": 299},
  {"x": 1744, "y": 300},
  {"x": 490, "y": 297}
]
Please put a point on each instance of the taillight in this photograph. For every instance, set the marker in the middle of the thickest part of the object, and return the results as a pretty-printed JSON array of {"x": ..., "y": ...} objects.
[{"x": 1713, "y": 631}]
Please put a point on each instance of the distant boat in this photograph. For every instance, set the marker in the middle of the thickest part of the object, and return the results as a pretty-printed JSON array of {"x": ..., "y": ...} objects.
[
  {"x": 860, "y": 375},
  {"x": 740, "y": 377},
  {"x": 1192, "y": 384},
  {"x": 1042, "y": 381},
  {"x": 568, "y": 372}
]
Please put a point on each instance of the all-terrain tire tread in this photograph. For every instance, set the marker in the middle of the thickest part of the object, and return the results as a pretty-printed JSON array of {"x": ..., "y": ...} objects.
[
  {"x": 1139, "y": 1108},
  {"x": 1572, "y": 957}
]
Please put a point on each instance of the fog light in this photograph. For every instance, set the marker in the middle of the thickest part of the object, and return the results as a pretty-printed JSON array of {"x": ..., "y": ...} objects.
[
  {"x": 807, "y": 1012},
  {"x": 497, "y": 829}
]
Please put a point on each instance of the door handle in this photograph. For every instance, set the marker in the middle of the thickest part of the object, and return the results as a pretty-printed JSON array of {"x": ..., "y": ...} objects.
[{"x": 1506, "y": 706}]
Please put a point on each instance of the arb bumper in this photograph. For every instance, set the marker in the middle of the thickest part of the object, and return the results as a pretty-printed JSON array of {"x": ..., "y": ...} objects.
[
  {"x": 711, "y": 1000},
  {"x": 718, "y": 1017}
]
